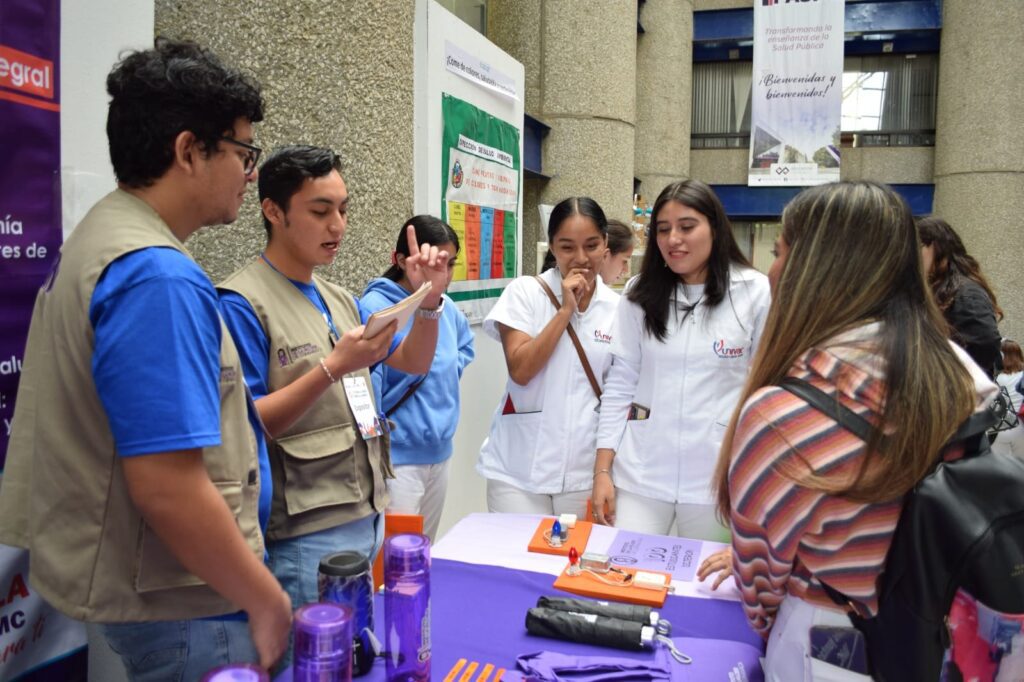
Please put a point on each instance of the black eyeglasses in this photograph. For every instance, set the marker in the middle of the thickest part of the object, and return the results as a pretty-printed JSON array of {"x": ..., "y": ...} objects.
[{"x": 252, "y": 156}]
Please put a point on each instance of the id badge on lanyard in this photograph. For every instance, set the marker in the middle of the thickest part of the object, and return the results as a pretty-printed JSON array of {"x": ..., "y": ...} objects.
[{"x": 361, "y": 404}]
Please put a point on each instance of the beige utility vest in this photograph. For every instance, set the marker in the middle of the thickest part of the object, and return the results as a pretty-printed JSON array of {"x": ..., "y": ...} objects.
[
  {"x": 324, "y": 473},
  {"x": 63, "y": 495}
]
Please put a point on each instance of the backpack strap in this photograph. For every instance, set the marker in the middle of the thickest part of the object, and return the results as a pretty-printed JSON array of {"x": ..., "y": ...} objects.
[
  {"x": 980, "y": 422},
  {"x": 830, "y": 407},
  {"x": 575, "y": 341}
]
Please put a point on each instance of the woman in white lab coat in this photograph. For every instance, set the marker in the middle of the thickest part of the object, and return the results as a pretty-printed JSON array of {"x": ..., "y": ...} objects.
[
  {"x": 685, "y": 334},
  {"x": 539, "y": 455}
]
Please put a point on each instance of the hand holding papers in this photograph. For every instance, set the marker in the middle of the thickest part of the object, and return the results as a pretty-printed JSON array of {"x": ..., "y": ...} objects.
[{"x": 400, "y": 311}]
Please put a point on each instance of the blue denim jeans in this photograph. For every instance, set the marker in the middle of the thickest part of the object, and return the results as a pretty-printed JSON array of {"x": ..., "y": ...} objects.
[
  {"x": 295, "y": 562},
  {"x": 179, "y": 650}
]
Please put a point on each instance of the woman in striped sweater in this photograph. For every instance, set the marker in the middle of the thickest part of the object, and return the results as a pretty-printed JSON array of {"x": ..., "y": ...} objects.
[{"x": 807, "y": 501}]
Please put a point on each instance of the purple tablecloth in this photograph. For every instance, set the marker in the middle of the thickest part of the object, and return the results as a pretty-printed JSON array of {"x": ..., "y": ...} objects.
[{"x": 478, "y": 613}]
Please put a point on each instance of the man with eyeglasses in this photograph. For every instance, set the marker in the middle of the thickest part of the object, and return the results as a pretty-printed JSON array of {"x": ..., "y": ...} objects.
[{"x": 136, "y": 471}]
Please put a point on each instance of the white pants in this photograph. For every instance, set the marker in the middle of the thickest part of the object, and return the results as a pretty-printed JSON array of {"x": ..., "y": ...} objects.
[
  {"x": 420, "y": 489},
  {"x": 504, "y": 498},
  {"x": 1010, "y": 442},
  {"x": 654, "y": 517},
  {"x": 789, "y": 646}
]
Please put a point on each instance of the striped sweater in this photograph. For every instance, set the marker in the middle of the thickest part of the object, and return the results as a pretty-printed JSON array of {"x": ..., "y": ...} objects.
[{"x": 786, "y": 536}]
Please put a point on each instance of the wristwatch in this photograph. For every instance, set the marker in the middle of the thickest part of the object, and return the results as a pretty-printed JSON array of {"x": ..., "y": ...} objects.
[{"x": 431, "y": 313}]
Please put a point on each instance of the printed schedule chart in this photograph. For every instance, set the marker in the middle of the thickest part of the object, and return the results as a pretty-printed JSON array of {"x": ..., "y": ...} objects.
[{"x": 488, "y": 239}]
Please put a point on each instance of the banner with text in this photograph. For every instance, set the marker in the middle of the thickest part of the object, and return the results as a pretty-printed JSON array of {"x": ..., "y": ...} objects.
[
  {"x": 797, "y": 92},
  {"x": 33, "y": 636},
  {"x": 480, "y": 160}
]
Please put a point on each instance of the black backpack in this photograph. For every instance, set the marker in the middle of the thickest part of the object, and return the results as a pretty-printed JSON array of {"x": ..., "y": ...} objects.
[{"x": 962, "y": 527}]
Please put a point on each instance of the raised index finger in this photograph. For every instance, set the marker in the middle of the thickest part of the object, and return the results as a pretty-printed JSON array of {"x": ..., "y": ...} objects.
[{"x": 410, "y": 237}]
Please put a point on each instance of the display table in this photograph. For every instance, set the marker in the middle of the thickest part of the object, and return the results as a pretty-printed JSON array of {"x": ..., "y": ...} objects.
[{"x": 483, "y": 581}]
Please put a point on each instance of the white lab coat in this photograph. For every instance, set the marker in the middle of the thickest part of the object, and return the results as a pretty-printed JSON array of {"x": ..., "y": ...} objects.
[
  {"x": 691, "y": 383},
  {"x": 547, "y": 446}
]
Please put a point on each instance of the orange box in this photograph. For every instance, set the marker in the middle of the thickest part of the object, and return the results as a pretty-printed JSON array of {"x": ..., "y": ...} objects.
[
  {"x": 588, "y": 585},
  {"x": 578, "y": 537}
]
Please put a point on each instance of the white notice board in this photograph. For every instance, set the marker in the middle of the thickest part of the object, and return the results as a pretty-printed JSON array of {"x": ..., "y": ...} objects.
[{"x": 468, "y": 149}]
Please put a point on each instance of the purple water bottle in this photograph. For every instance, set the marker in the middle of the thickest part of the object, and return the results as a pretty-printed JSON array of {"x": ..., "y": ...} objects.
[
  {"x": 237, "y": 672},
  {"x": 407, "y": 607},
  {"x": 323, "y": 643}
]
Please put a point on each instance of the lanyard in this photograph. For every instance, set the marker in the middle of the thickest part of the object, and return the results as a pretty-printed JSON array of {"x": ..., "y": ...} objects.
[{"x": 332, "y": 332}]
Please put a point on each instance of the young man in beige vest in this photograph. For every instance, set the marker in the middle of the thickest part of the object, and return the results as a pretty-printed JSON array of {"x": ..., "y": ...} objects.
[
  {"x": 300, "y": 339},
  {"x": 133, "y": 468}
]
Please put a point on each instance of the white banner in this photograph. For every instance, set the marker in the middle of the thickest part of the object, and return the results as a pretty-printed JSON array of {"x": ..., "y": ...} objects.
[
  {"x": 797, "y": 92},
  {"x": 31, "y": 631}
]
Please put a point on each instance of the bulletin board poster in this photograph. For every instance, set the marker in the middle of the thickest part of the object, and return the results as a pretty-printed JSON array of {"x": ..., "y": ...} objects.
[
  {"x": 480, "y": 200},
  {"x": 36, "y": 641}
]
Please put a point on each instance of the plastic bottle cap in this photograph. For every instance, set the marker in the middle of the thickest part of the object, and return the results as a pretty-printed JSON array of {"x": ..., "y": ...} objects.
[
  {"x": 237, "y": 672},
  {"x": 406, "y": 553},
  {"x": 322, "y": 630},
  {"x": 344, "y": 564}
]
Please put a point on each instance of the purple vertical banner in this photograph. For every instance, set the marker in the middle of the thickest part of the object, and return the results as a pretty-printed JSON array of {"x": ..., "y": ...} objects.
[
  {"x": 37, "y": 644},
  {"x": 30, "y": 200}
]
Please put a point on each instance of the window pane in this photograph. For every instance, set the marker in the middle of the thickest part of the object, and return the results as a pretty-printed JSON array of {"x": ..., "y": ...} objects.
[
  {"x": 721, "y": 97},
  {"x": 890, "y": 92}
]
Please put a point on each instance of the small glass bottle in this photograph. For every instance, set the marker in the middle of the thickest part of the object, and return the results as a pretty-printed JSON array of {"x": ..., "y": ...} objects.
[{"x": 407, "y": 607}]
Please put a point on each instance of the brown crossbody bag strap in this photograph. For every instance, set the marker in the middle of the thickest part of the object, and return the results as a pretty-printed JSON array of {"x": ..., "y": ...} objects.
[
  {"x": 575, "y": 340},
  {"x": 406, "y": 396}
]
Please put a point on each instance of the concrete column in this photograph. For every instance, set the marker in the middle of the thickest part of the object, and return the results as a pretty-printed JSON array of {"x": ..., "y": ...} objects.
[
  {"x": 336, "y": 74},
  {"x": 580, "y": 61},
  {"x": 515, "y": 27},
  {"x": 979, "y": 145},
  {"x": 664, "y": 75},
  {"x": 588, "y": 92}
]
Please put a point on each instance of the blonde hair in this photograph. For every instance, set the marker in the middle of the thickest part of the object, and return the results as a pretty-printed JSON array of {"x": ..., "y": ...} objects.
[{"x": 853, "y": 259}]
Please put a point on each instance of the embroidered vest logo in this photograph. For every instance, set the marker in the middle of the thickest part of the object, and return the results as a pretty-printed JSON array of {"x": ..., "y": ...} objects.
[
  {"x": 297, "y": 352},
  {"x": 602, "y": 337},
  {"x": 724, "y": 351}
]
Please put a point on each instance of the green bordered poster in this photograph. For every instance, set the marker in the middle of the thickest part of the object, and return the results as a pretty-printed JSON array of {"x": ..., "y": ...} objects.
[{"x": 480, "y": 200}]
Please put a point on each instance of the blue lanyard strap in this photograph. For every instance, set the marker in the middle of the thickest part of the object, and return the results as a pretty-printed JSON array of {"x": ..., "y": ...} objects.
[{"x": 332, "y": 331}]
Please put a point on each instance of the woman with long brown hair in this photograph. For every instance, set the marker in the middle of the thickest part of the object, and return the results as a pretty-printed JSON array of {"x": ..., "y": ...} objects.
[
  {"x": 962, "y": 293},
  {"x": 686, "y": 330},
  {"x": 807, "y": 501}
]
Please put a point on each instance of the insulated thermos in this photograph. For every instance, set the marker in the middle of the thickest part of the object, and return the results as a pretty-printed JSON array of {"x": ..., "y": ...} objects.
[
  {"x": 407, "y": 607},
  {"x": 346, "y": 578},
  {"x": 323, "y": 643}
]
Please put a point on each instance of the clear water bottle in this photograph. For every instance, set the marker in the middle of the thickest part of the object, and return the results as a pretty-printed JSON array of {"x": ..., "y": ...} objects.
[
  {"x": 407, "y": 607},
  {"x": 323, "y": 643},
  {"x": 346, "y": 578},
  {"x": 237, "y": 672}
]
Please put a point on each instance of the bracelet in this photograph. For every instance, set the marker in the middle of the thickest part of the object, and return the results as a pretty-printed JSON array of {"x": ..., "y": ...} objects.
[
  {"x": 431, "y": 314},
  {"x": 330, "y": 377},
  {"x": 603, "y": 471}
]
